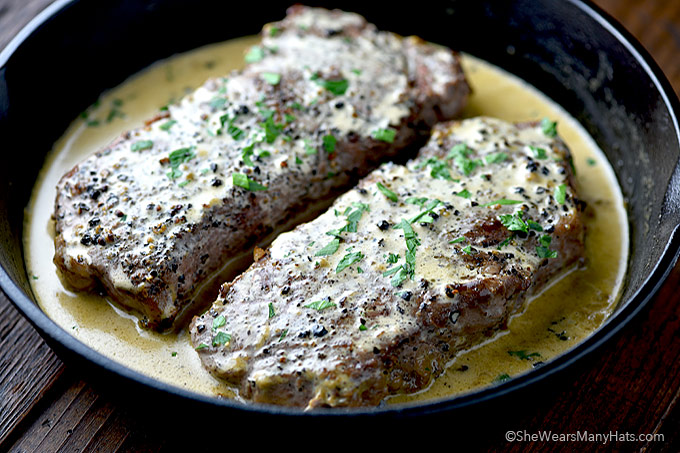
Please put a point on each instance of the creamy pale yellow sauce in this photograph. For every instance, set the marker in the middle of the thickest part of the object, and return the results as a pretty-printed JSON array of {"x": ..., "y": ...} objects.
[{"x": 562, "y": 316}]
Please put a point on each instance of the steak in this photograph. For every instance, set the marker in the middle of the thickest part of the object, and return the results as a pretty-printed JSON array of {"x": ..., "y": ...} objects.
[
  {"x": 419, "y": 261},
  {"x": 324, "y": 99}
]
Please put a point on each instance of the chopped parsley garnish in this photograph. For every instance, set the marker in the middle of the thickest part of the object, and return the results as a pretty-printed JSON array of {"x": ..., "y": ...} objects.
[
  {"x": 384, "y": 135},
  {"x": 217, "y": 103},
  {"x": 495, "y": 158},
  {"x": 235, "y": 132},
  {"x": 543, "y": 250},
  {"x": 141, "y": 145},
  {"x": 272, "y": 313},
  {"x": 534, "y": 225},
  {"x": 439, "y": 169},
  {"x": 356, "y": 71},
  {"x": 501, "y": 378},
  {"x": 320, "y": 305},
  {"x": 353, "y": 217},
  {"x": 590, "y": 161},
  {"x": 457, "y": 240},
  {"x": 392, "y": 258},
  {"x": 245, "y": 155},
  {"x": 406, "y": 270},
  {"x": 274, "y": 31},
  {"x": 524, "y": 355},
  {"x": 271, "y": 129},
  {"x": 348, "y": 260},
  {"x": 218, "y": 322},
  {"x": 515, "y": 222},
  {"x": 420, "y": 201},
  {"x": 549, "y": 127},
  {"x": 243, "y": 181},
  {"x": 502, "y": 202},
  {"x": 309, "y": 149},
  {"x": 221, "y": 338},
  {"x": 329, "y": 248},
  {"x": 464, "y": 193},
  {"x": 387, "y": 192},
  {"x": 271, "y": 78},
  {"x": 167, "y": 125},
  {"x": 539, "y": 153},
  {"x": 468, "y": 249},
  {"x": 337, "y": 87},
  {"x": 561, "y": 194},
  {"x": 255, "y": 54},
  {"x": 201, "y": 346},
  {"x": 425, "y": 216},
  {"x": 459, "y": 154},
  {"x": 283, "y": 334},
  {"x": 177, "y": 158},
  {"x": 113, "y": 113},
  {"x": 329, "y": 142}
]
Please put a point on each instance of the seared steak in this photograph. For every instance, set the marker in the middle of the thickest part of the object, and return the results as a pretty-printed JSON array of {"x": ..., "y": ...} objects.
[
  {"x": 326, "y": 98},
  {"x": 376, "y": 295}
]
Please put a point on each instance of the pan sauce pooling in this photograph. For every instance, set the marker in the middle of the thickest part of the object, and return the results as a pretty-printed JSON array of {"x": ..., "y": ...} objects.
[{"x": 561, "y": 317}]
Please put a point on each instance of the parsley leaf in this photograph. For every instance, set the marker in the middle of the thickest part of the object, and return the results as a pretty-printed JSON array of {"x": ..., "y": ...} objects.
[
  {"x": 459, "y": 154},
  {"x": 502, "y": 202},
  {"x": 539, "y": 153},
  {"x": 515, "y": 222},
  {"x": 243, "y": 181},
  {"x": 337, "y": 87},
  {"x": 141, "y": 145},
  {"x": 543, "y": 250},
  {"x": 439, "y": 169},
  {"x": 221, "y": 338},
  {"x": 271, "y": 78},
  {"x": 549, "y": 127},
  {"x": 384, "y": 135},
  {"x": 348, "y": 260},
  {"x": 561, "y": 193},
  {"x": 329, "y": 248},
  {"x": 320, "y": 305},
  {"x": 524, "y": 355},
  {"x": 177, "y": 158},
  {"x": 495, "y": 158},
  {"x": 167, "y": 125},
  {"x": 218, "y": 322},
  {"x": 255, "y": 54},
  {"x": 387, "y": 192},
  {"x": 329, "y": 142},
  {"x": 464, "y": 193}
]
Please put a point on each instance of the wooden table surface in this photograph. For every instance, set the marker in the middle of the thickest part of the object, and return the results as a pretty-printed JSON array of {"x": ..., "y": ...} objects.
[{"x": 632, "y": 387}]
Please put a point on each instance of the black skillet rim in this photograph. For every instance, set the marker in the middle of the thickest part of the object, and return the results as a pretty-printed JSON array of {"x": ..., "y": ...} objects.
[{"x": 55, "y": 335}]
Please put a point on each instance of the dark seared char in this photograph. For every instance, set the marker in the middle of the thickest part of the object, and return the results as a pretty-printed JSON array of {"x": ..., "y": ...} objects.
[
  {"x": 377, "y": 295},
  {"x": 324, "y": 99}
]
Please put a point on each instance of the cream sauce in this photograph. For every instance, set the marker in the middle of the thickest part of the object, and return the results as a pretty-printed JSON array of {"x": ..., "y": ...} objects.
[{"x": 561, "y": 317}]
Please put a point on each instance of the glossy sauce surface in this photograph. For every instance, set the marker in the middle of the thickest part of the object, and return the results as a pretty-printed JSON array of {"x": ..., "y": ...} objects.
[{"x": 562, "y": 316}]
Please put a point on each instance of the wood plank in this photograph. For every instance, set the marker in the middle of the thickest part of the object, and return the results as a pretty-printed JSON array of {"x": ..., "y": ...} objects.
[{"x": 28, "y": 368}]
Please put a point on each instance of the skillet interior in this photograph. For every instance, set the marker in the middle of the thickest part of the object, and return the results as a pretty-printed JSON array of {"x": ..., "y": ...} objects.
[{"x": 565, "y": 49}]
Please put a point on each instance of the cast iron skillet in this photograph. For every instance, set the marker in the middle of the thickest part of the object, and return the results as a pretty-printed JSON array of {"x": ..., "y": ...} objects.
[{"x": 63, "y": 60}]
